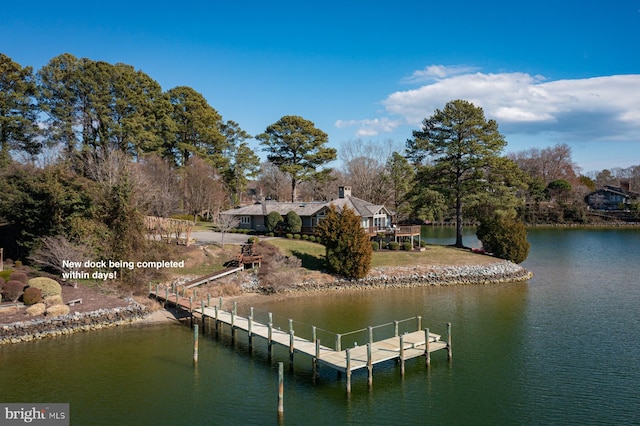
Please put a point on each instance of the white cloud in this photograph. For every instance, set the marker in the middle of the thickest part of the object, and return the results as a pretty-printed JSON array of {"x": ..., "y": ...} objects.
[
  {"x": 370, "y": 127},
  {"x": 578, "y": 110},
  {"x": 436, "y": 72},
  {"x": 601, "y": 107}
]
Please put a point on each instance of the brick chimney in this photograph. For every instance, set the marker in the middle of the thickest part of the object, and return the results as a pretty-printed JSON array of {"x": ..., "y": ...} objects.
[
  {"x": 344, "y": 191},
  {"x": 625, "y": 185}
]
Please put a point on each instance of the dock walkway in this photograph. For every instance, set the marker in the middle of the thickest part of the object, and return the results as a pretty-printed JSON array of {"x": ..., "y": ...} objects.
[{"x": 401, "y": 347}]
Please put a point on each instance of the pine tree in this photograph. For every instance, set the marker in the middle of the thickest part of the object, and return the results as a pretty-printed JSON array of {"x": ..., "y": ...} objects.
[{"x": 348, "y": 250}]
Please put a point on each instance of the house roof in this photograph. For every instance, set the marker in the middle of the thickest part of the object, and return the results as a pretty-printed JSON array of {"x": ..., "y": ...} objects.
[{"x": 361, "y": 207}]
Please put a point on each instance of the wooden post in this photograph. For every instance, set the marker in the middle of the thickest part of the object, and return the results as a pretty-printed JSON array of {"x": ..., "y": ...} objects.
[
  {"x": 419, "y": 323},
  {"x": 338, "y": 342},
  {"x": 291, "y": 348},
  {"x": 402, "y": 355},
  {"x": 250, "y": 331},
  {"x": 217, "y": 323},
  {"x": 369, "y": 365},
  {"x": 370, "y": 334},
  {"x": 220, "y": 303},
  {"x": 427, "y": 353},
  {"x": 395, "y": 328},
  {"x": 270, "y": 335},
  {"x": 195, "y": 344},
  {"x": 348, "y": 372},
  {"x": 233, "y": 315},
  {"x": 449, "y": 352},
  {"x": 177, "y": 301},
  {"x": 166, "y": 297},
  {"x": 313, "y": 333},
  {"x": 290, "y": 325},
  {"x": 316, "y": 358},
  {"x": 280, "y": 390},
  {"x": 202, "y": 316}
]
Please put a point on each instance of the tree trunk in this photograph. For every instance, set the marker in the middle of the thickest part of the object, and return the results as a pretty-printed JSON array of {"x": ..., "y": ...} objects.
[
  {"x": 293, "y": 190},
  {"x": 459, "y": 222}
]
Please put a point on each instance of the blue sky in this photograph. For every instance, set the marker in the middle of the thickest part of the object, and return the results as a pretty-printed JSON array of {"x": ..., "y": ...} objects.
[{"x": 548, "y": 71}]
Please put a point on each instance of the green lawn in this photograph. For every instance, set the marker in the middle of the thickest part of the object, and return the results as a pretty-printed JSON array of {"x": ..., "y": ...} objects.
[{"x": 312, "y": 255}]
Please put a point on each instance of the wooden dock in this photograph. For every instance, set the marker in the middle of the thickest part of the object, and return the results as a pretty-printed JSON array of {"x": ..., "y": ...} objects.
[{"x": 399, "y": 347}]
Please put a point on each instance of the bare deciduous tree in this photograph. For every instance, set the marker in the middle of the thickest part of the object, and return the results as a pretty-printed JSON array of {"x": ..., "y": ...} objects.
[
  {"x": 225, "y": 223},
  {"x": 53, "y": 251}
]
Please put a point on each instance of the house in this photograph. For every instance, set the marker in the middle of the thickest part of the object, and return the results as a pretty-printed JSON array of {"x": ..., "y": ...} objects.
[
  {"x": 374, "y": 218},
  {"x": 611, "y": 198}
]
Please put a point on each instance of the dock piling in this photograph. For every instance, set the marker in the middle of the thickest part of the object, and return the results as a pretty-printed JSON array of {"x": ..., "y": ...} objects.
[
  {"x": 402, "y": 356},
  {"x": 280, "y": 390},
  {"x": 195, "y": 344},
  {"x": 449, "y": 351},
  {"x": 348, "y": 353},
  {"x": 427, "y": 353},
  {"x": 369, "y": 365}
]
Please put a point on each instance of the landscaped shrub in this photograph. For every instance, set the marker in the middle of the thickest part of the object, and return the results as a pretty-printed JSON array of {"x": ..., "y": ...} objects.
[
  {"x": 375, "y": 246},
  {"x": 293, "y": 222},
  {"x": 270, "y": 234},
  {"x": 312, "y": 238},
  {"x": 394, "y": 246},
  {"x": 53, "y": 300},
  {"x": 289, "y": 236},
  {"x": 47, "y": 286},
  {"x": 305, "y": 237},
  {"x": 37, "y": 309},
  {"x": 19, "y": 276},
  {"x": 5, "y": 274},
  {"x": 57, "y": 310},
  {"x": 32, "y": 296},
  {"x": 253, "y": 240},
  {"x": 296, "y": 236},
  {"x": 273, "y": 220},
  {"x": 407, "y": 246},
  {"x": 12, "y": 290}
]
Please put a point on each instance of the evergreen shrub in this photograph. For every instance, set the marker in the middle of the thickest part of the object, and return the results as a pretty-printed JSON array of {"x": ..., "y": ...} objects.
[
  {"x": 31, "y": 296},
  {"x": 19, "y": 276},
  {"x": 289, "y": 236},
  {"x": 375, "y": 246},
  {"x": 12, "y": 290},
  {"x": 296, "y": 236},
  {"x": 394, "y": 246},
  {"x": 312, "y": 238},
  {"x": 305, "y": 237},
  {"x": 505, "y": 237},
  {"x": 407, "y": 246},
  {"x": 47, "y": 286}
]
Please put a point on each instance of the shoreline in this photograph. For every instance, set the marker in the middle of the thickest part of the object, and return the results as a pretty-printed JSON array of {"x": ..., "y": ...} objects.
[{"x": 378, "y": 278}]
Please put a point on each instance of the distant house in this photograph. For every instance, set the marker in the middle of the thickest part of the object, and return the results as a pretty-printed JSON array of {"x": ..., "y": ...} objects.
[
  {"x": 612, "y": 198},
  {"x": 374, "y": 218}
]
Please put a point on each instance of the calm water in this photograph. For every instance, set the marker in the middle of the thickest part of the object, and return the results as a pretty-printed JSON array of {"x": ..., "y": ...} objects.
[{"x": 560, "y": 349}]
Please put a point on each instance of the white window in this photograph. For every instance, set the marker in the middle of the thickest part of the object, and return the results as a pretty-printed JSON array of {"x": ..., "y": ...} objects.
[{"x": 245, "y": 220}]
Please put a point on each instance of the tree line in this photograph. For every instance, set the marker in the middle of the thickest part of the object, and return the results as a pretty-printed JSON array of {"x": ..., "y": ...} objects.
[{"x": 122, "y": 148}]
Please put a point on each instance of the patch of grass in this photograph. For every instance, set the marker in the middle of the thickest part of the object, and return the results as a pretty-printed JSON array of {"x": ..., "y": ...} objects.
[
  {"x": 312, "y": 255},
  {"x": 433, "y": 255}
]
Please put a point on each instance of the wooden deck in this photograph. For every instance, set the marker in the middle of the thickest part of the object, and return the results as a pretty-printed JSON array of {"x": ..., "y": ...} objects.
[{"x": 401, "y": 347}]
